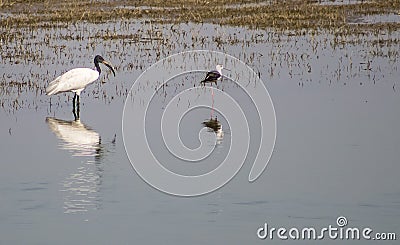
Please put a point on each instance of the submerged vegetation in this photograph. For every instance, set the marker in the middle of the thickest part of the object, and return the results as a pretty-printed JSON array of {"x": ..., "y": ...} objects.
[{"x": 40, "y": 39}]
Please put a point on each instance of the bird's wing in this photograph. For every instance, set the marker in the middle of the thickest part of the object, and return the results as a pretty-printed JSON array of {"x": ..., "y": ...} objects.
[
  {"x": 74, "y": 79},
  {"x": 212, "y": 75}
]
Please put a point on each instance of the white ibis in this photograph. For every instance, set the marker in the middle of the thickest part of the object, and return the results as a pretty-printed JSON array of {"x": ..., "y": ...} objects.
[
  {"x": 77, "y": 79},
  {"x": 214, "y": 76}
]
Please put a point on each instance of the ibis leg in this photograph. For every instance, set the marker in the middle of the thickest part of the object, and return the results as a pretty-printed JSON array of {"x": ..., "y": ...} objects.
[
  {"x": 75, "y": 106},
  {"x": 73, "y": 100},
  {"x": 73, "y": 103},
  {"x": 75, "y": 116},
  {"x": 77, "y": 109}
]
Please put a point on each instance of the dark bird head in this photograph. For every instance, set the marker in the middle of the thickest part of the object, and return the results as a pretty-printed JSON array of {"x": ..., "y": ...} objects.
[{"x": 98, "y": 59}]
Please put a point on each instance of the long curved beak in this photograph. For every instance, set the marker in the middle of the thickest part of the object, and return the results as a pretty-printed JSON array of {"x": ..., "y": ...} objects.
[
  {"x": 109, "y": 65},
  {"x": 226, "y": 69}
]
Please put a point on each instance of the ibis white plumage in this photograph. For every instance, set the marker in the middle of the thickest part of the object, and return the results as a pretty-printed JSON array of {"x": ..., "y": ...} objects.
[{"x": 77, "y": 79}]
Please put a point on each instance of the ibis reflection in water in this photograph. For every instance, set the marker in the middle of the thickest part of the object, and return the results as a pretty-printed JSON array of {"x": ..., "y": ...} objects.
[
  {"x": 83, "y": 185},
  {"x": 76, "y": 137},
  {"x": 77, "y": 79}
]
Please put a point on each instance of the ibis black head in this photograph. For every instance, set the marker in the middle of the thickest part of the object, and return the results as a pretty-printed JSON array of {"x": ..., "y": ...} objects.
[{"x": 98, "y": 59}]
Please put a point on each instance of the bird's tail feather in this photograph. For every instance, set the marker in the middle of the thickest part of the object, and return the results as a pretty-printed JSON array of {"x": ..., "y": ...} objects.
[{"x": 52, "y": 88}]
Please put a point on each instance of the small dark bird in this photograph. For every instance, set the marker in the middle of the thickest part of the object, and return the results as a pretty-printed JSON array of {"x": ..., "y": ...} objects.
[{"x": 213, "y": 76}]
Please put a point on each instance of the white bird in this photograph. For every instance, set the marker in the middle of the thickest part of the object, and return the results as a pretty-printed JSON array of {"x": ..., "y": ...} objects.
[
  {"x": 77, "y": 79},
  {"x": 214, "y": 76}
]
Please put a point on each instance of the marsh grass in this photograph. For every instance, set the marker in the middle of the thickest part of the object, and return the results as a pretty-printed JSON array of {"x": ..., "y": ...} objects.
[{"x": 281, "y": 15}]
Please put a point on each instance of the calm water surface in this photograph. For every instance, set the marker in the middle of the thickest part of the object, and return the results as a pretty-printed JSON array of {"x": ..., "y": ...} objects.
[{"x": 337, "y": 151}]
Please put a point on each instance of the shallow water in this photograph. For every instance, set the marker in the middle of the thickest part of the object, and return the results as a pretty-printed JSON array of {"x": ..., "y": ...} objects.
[
  {"x": 336, "y": 100},
  {"x": 340, "y": 2},
  {"x": 373, "y": 19}
]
